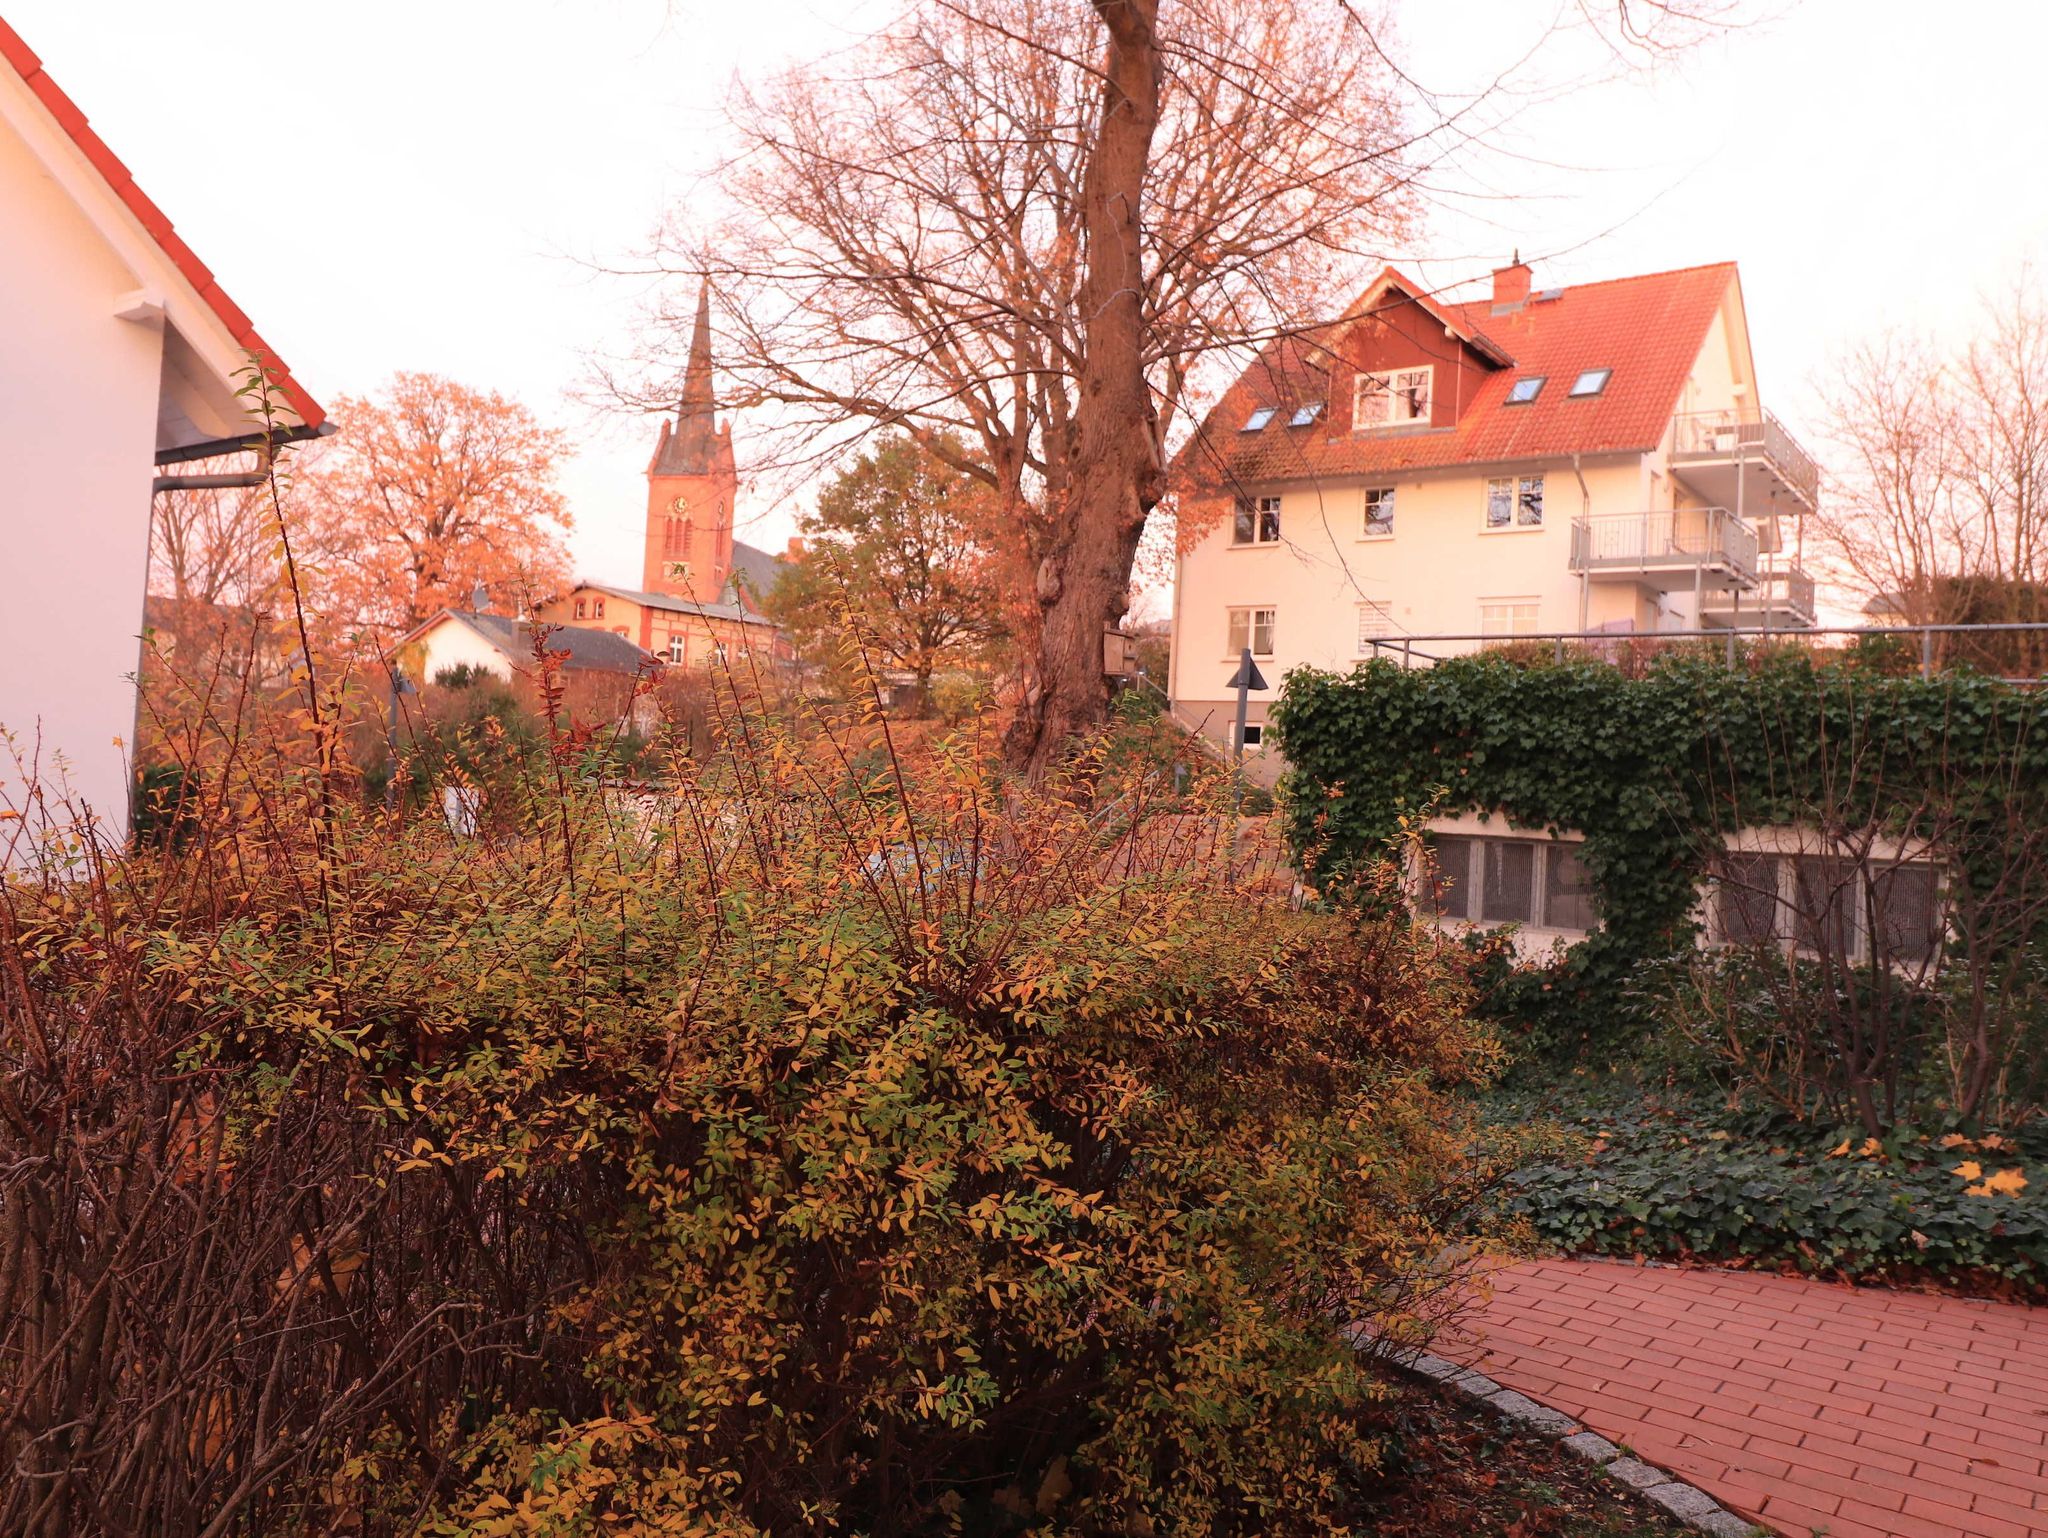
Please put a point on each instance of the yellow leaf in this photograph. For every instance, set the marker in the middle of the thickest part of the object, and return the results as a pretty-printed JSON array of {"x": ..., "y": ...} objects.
[
  {"x": 1871, "y": 1148},
  {"x": 1997, "y": 1144},
  {"x": 1840, "y": 1150},
  {"x": 1956, "y": 1140},
  {"x": 1969, "y": 1169},
  {"x": 2007, "y": 1182}
]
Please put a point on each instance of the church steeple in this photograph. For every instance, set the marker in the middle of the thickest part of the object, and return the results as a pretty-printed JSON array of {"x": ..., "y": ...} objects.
[
  {"x": 691, "y": 484},
  {"x": 688, "y": 449}
]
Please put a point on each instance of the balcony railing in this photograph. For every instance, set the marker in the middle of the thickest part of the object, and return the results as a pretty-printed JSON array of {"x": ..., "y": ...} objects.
[
  {"x": 1781, "y": 597},
  {"x": 1725, "y": 435},
  {"x": 1666, "y": 542}
]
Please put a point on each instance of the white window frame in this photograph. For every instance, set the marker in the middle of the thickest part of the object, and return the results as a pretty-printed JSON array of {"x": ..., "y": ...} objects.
[
  {"x": 1514, "y": 621},
  {"x": 1539, "y": 924},
  {"x": 1375, "y": 623},
  {"x": 1260, "y": 510},
  {"x": 1377, "y": 497},
  {"x": 1254, "y": 736},
  {"x": 1240, "y": 634},
  {"x": 678, "y": 650},
  {"x": 1788, "y": 847},
  {"x": 1387, "y": 398},
  {"x": 1517, "y": 490}
]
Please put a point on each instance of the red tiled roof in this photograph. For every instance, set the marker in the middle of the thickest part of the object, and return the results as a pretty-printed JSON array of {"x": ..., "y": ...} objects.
[
  {"x": 25, "y": 63},
  {"x": 1647, "y": 329}
]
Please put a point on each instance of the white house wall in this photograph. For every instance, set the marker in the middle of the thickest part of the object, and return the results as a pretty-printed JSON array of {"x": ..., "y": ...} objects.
[
  {"x": 1434, "y": 572},
  {"x": 452, "y": 644},
  {"x": 78, "y": 422}
]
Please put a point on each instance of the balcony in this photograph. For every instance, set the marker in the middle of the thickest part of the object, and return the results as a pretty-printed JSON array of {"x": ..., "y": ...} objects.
[
  {"x": 1755, "y": 465},
  {"x": 1669, "y": 549},
  {"x": 1782, "y": 600}
]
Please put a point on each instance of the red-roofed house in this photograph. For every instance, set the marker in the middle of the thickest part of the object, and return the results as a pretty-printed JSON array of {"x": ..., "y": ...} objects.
[
  {"x": 1585, "y": 458},
  {"x": 119, "y": 354}
]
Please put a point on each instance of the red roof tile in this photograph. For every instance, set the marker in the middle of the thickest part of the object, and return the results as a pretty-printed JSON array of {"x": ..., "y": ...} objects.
[
  {"x": 116, "y": 175},
  {"x": 1647, "y": 329}
]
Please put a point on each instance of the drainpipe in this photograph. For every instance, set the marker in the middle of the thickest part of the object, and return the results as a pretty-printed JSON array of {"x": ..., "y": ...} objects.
[
  {"x": 234, "y": 480},
  {"x": 1586, "y": 565}
]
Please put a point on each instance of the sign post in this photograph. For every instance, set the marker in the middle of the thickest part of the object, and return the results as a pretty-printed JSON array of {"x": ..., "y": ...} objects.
[{"x": 1244, "y": 680}]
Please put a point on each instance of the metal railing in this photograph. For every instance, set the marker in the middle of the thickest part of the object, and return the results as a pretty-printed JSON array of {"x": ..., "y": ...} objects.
[
  {"x": 1667, "y": 539},
  {"x": 1409, "y": 650},
  {"x": 1788, "y": 590},
  {"x": 1726, "y": 435}
]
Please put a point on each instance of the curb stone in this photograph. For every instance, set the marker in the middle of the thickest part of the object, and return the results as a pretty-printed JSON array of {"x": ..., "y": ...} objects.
[{"x": 1692, "y": 1505}]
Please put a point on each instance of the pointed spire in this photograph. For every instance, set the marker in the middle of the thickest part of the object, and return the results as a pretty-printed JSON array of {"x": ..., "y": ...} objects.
[
  {"x": 688, "y": 450},
  {"x": 697, "y": 379}
]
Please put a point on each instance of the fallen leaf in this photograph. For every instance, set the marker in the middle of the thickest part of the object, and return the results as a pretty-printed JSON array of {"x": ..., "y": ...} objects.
[
  {"x": 1840, "y": 1150},
  {"x": 1969, "y": 1169},
  {"x": 1956, "y": 1140}
]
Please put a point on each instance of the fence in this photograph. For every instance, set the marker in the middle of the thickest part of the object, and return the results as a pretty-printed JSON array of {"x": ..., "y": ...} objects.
[{"x": 1411, "y": 649}]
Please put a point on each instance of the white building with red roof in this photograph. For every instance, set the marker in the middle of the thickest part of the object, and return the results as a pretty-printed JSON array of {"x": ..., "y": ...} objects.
[
  {"x": 120, "y": 359},
  {"x": 1569, "y": 459}
]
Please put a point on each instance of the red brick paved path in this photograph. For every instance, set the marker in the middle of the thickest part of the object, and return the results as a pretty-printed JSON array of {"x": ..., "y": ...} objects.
[{"x": 1803, "y": 1405}]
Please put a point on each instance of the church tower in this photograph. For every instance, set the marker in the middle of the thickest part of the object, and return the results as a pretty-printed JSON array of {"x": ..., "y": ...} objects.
[{"x": 691, "y": 486}]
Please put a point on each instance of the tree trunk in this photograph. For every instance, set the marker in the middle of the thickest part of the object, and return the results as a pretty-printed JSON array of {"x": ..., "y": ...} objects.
[{"x": 1118, "y": 474}]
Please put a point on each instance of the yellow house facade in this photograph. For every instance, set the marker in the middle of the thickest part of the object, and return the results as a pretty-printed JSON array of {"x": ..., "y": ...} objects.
[{"x": 1593, "y": 458}]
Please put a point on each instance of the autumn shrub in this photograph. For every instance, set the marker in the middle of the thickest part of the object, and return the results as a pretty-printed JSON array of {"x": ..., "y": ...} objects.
[{"x": 797, "y": 1149}]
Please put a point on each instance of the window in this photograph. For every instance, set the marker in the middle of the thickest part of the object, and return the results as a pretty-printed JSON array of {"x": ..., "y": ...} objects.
[
  {"x": 1537, "y": 882},
  {"x": 1500, "y": 618},
  {"x": 1379, "y": 512},
  {"x": 678, "y": 650},
  {"x": 1526, "y": 389},
  {"x": 1829, "y": 905},
  {"x": 1253, "y": 628},
  {"x": 1567, "y": 889},
  {"x": 1254, "y": 733},
  {"x": 1375, "y": 622},
  {"x": 1392, "y": 399},
  {"x": 1514, "y": 502},
  {"x": 1260, "y": 418},
  {"x": 597, "y": 608},
  {"x": 1509, "y": 893},
  {"x": 580, "y": 607},
  {"x": 1591, "y": 382},
  {"x": 1304, "y": 415},
  {"x": 1257, "y": 521}
]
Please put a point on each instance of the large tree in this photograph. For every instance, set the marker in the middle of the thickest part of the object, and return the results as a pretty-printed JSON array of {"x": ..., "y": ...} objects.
[
  {"x": 430, "y": 491},
  {"x": 1938, "y": 505},
  {"x": 1029, "y": 222},
  {"x": 896, "y": 556}
]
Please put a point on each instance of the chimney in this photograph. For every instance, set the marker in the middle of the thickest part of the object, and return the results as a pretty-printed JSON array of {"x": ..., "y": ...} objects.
[{"x": 1511, "y": 285}]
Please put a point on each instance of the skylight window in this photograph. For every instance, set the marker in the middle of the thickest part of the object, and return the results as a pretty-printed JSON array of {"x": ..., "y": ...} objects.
[
  {"x": 1526, "y": 389},
  {"x": 1592, "y": 382},
  {"x": 1305, "y": 414},
  {"x": 1260, "y": 418}
]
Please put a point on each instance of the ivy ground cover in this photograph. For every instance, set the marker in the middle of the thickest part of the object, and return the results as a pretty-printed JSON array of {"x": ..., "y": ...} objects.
[{"x": 1644, "y": 1172}]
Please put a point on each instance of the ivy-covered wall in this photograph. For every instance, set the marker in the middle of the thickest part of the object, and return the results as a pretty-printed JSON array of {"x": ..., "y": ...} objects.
[{"x": 1650, "y": 770}]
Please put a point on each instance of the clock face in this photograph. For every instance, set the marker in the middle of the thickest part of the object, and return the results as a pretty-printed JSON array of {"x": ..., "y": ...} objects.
[{"x": 680, "y": 505}]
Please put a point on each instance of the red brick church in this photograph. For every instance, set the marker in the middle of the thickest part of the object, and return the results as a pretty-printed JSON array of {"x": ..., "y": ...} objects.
[{"x": 700, "y": 592}]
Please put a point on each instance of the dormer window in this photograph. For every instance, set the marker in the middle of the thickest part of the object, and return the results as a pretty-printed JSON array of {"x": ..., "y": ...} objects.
[
  {"x": 1260, "y": 418},
  {"x": 1591, "y": 382},
  {"x": 1305, "y": 416},
  {"x": 1395, "y": 398},
  {"x": 1526, "y": 389}
]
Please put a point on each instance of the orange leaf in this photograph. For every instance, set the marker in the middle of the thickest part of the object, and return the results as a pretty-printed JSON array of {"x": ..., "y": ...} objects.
[{"x": 1969, "y": 1169}]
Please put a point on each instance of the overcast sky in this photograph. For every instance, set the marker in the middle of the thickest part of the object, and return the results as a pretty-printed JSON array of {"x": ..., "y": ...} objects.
[{"x": 425, "y": 185}]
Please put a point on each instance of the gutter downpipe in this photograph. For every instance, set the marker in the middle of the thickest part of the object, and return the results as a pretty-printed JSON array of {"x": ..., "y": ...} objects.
[{"x": 1586, "y": 565}]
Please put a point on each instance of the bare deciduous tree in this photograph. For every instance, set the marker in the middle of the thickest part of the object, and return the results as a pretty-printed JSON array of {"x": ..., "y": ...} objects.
[
  {"x": 1029, "y": 224},
  {"x": 1939, "y": 510}
]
